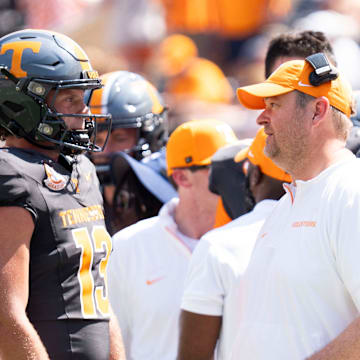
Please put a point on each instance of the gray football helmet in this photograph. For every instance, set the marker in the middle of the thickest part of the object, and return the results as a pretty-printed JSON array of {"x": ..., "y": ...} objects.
[
  {"x": 33, "y": 62},
  {"x": 133, "y": 102}
]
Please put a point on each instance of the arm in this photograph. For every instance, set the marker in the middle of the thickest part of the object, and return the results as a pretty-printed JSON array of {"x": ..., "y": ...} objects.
[
  {"x": 119, "y": 297},
  {"x": 18, "y": 338},
  {"x": 117, "y": 351},
  {"x": 346, "y": 346},
  {"x": 202, "y": 305},
  {"x": 198, "y": 336}
]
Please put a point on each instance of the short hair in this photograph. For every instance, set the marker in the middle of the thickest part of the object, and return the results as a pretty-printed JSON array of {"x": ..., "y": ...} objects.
[
  {"x": 300, "y": 44},
  {"x": 342, "y": 124},
  {"x": 302, "y": 99}
]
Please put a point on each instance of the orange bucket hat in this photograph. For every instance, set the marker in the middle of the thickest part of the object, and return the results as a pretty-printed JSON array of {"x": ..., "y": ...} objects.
[
  {"x": 294, "y": 75},
  {"x": 255, "y": 154}
]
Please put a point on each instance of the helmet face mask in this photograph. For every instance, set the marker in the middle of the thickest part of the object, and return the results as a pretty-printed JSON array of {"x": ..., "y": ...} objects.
[
  {"x": 33, "y": 63},
  {"x": 134, "y": 103}
]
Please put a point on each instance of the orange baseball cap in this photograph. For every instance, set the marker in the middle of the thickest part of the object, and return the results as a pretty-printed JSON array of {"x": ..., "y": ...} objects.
[
  {"x": 294, "y": 75},
  {"x": 195, "y": 142},
  {"x": 255, "y": 154}
]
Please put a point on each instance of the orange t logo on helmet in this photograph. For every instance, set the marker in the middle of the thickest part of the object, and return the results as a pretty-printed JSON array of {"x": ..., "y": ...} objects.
[{"x": 18, "y": 48}]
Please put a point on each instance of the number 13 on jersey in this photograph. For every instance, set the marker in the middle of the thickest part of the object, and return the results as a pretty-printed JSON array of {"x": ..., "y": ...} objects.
[{"x": 93, "y": 297}]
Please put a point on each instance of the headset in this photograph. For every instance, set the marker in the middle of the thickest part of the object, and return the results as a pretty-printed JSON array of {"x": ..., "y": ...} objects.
[{"x": 323, "y": 71}]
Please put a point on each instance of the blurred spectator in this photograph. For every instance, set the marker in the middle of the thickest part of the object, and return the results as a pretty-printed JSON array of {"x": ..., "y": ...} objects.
[
  {"x": 228, "y": 18},
  {"x": 57, "y": 14},
  {"x": 134, "y": 27},
  {"x": 353, "y": 141},
  {"x": 173, "y": 54},
  {"x": 302, "y": 8},
  {"x": 182, "y": 73},
  {"x": 201, "y": 80},
  {"x": 194, "y": 87},
  {"x": 11, "y": 16},
  {"x": 225, "y": 25}
]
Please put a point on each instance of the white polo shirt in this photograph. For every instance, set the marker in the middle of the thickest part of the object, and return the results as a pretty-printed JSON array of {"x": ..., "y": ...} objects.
[
  {"x": 216, "y": 267},
  {"x": 302, "y": 286},
  {"x": 146, "y": 280}
]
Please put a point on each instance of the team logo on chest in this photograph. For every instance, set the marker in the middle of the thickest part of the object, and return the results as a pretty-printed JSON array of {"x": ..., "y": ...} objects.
[{"x": 54, "y": 180}]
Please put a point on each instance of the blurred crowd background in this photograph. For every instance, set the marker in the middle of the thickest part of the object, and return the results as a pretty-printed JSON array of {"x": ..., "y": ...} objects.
[{"x": 196, "y": 52}]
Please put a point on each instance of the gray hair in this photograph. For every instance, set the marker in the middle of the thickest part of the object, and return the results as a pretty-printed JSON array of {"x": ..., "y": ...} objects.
[{"x": 342, "y": 124}]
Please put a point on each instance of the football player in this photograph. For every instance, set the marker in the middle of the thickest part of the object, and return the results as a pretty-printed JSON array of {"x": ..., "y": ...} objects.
[
  {"x": 139, "y": 129},
  {"x": 55, "y": 246}
]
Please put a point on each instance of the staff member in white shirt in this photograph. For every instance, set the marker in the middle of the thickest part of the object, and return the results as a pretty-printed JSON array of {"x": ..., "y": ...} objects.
[
  {"x": 210, "y": 302},
  {"x": 301, "y": 297},
  {"x": 150, "y": 258}
]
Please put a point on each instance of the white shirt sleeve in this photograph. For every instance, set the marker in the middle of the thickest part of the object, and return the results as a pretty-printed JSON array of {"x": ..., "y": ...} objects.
[
  {"x": 204, "y": 291},
  {"x": 345, "y": 232}
]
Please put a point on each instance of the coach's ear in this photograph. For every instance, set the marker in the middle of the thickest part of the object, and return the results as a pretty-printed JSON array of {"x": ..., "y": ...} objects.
[
  {"x": 321, "y": 107},
  {"x": 255, "y": 176}
]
